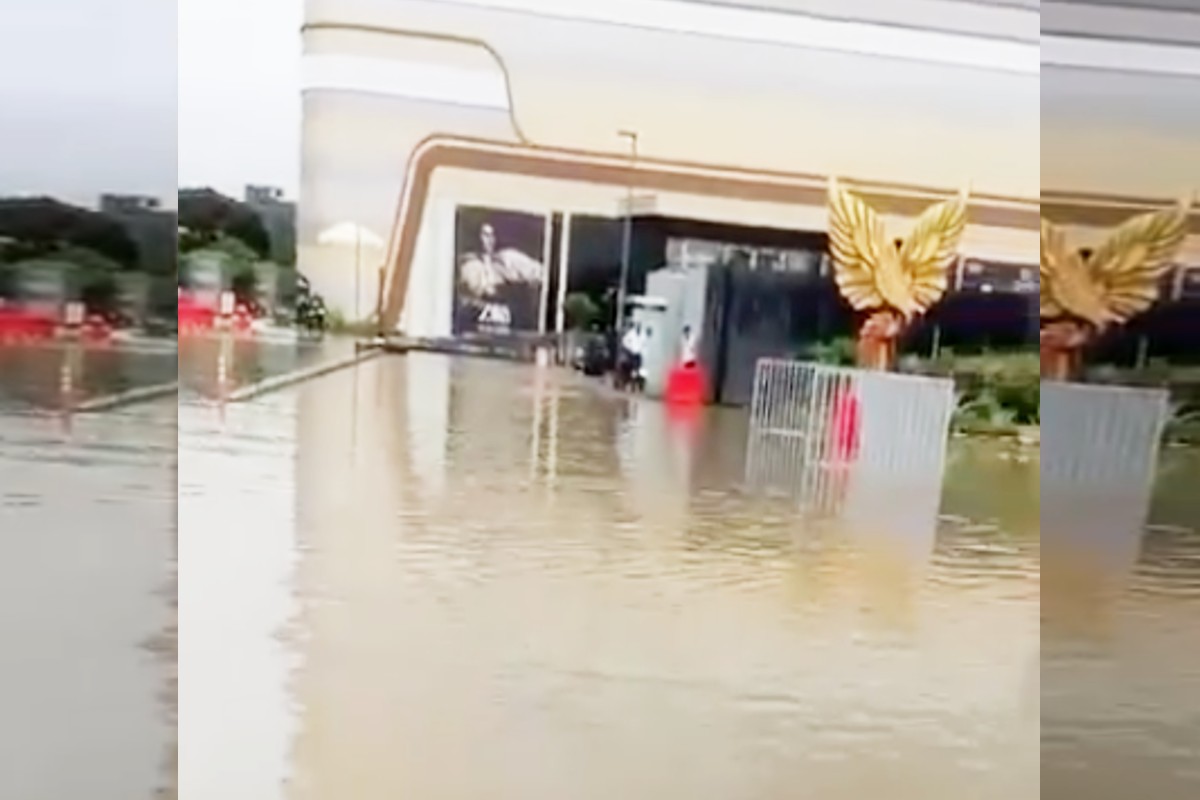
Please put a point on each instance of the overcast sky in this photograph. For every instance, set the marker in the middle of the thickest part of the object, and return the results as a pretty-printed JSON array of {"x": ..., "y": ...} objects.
[
  {"x": 239, "y": 93},
  {"x": 114, "y": 95}
]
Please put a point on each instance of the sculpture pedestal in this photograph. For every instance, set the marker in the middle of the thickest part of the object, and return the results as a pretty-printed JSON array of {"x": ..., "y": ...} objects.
[
  {"x": 877, "y": 341},
  {"x": 1062, "y": 346}
]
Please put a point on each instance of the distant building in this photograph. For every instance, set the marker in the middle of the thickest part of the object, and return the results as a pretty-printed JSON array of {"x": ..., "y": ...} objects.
[
  {"x": 263, "y": 195},
  {"x": 119, "y": 204},
  {"x": 278, "y": 218}
]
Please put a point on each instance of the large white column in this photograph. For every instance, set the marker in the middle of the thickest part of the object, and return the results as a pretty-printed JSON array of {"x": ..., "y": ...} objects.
[{"x": 564, "y": 252}]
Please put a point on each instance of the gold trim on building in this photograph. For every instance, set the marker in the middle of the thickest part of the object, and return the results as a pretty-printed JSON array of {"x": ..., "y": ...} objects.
[{"x": 482, "y": 155}]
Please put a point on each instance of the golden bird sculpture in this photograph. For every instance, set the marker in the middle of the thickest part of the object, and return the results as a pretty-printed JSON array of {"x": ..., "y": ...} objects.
[
  {"x": 892, "y": 283},
  {"x": 1084, "y": 294}
]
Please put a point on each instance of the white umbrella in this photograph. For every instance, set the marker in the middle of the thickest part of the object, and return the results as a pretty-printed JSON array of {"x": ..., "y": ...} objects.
[{"x": 358, "y": 236}]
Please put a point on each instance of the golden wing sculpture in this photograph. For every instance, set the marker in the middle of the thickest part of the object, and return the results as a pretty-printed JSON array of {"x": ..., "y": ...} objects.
[
  {"x": 873, "y": 273},
  {"x": 1121, "y": 278}
]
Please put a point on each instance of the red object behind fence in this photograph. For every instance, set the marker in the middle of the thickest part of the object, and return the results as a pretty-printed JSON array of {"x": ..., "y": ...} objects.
[{"x": 847, "y": 421}]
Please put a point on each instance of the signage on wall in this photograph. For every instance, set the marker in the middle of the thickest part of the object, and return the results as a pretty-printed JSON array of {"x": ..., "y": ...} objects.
[
  {"x": 988, "y": 277},
  {"x": 795, "y": 262},
  {"x": 498, "y": 274},
  {"x": 1189, "y": 283},
  {"x": 687, "y": 253},
  {"x": 700, "y": 253}
]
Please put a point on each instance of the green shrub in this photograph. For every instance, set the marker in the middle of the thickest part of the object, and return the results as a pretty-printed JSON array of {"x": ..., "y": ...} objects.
[
  {"x": 1184, "y": 425},
  {"x": 581, "y": 311},
  {"x": 997, "y": 391},
  {"x": 835, "y": 352}
]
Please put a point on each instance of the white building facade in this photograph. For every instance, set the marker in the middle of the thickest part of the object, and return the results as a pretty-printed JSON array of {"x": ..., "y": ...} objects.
[{"x": 414, "y": 108}]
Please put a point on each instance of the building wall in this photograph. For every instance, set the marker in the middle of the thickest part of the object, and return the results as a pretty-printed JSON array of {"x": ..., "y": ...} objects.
[
  {"x": 563, "y": 81},
  {"x": 432, "y": 277},
  {"x": 1120, "y": 80},
  {"x": 1124, "y": 134}
]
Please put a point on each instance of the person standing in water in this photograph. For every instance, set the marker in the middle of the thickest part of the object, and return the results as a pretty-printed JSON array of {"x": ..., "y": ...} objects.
[
  {"x": 687, "y": 347},
  {"x": 631, "y": 356}
]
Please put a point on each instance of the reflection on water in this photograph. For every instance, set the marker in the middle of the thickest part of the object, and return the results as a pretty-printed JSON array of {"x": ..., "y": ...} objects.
[
  {"x": 87, "y": 523},
  {"x": 507, "y": 583},
  {"x": 236, "y": 544},
  {"x": 1121, "y": 559},
  {"x": 210, "y": 366},
  {"x": 32, "y": 376}
]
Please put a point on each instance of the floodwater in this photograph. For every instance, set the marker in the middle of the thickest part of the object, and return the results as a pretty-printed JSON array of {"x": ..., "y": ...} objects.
[
  {"x": 210, "y": 366},
  {"x": 32, "y": 376},
  {"x": 1121, "y": 652},
  {"x": 438, "y": 578},
  {"x": 87, "y": 551}
]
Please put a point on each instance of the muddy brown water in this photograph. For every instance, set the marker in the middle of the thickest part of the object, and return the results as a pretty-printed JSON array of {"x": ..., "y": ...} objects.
[
  {"x": 1120, "y": 676},
  {"x": 32, "y": 375},
  {"x": 464, "y": 579},
  {"x": 438, "y": 578},
  {"x": 87, "y": 637}
]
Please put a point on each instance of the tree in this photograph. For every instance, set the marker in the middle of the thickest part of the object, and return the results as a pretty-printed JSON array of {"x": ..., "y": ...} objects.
[
  {"x": 8, "y": 275},
  {"x": 235, "y": 249},
  {"x": 580, "y": 310},
  {"x": 40, "y": 226},
  {"x": 245, "y": 284},
  {"x": 190, "y": 240},
  {"x": 95, "y": 277},
  {"x": 88, "y": 262},
  {"x": 81, "y": 273},
  {"x": 8, "y": 280},
  {"x": 207, "y": 214},
  {"x": 99, "y": 292},
  {"x": 237, "y": 261}
]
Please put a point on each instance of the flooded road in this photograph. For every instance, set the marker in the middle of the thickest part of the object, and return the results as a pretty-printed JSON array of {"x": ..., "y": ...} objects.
[
  {"x": 87, "y": 537},
  {"x": 32, "y": 376},
  {"x": 434, "y": 578},
  {"x": 211, "y": 365},
  {"x": 1121, "y": 653}
]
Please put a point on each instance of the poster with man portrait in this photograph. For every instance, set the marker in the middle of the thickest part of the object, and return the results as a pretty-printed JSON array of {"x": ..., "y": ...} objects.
[{"x": 499, "y": 272}]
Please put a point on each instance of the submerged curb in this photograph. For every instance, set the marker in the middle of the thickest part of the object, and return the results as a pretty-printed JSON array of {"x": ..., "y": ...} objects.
[
  {"x": 278, "y": 382},
  {"x": 141, "y": 394}
]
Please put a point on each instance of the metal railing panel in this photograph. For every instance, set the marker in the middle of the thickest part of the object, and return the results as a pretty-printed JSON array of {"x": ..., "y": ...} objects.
[{"x": 822, "y": 432}]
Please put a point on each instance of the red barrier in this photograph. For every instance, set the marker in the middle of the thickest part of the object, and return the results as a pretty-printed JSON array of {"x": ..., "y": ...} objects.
[
  {"x": 685, "y": 386},
  {"x": 195, "y": 318},
  {"x": 22, "y": 325}
]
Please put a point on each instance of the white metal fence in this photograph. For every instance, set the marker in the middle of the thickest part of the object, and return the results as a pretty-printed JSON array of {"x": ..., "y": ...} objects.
[
  {"x": 1099, "y": 455},
  {"x": 825, "y": 433},
  {"x": 1100, "y": 437}
]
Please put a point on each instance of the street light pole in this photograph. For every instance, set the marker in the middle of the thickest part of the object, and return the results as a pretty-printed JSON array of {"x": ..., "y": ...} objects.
[{"x": 627, "y": 232}]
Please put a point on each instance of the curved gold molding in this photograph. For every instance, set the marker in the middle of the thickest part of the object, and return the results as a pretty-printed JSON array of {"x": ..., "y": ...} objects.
[
  {"x": 483, "y": 155},
  {"x": 1066, "y": 202},
  {"x": 449, "y": 38},
  {"x": 523, "y": 138},
  {"x": 529, "y": 158}
]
